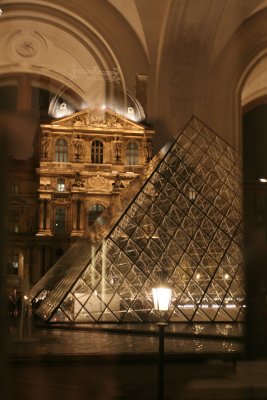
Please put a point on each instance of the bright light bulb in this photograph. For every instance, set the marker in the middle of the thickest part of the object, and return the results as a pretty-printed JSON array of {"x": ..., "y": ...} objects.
[
  {"x": 161, "y": 298},
  {"x": 263, "y": 180}
]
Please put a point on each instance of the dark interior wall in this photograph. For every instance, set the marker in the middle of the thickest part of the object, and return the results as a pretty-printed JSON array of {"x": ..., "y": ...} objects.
[
  {"x": 255, "y": 229},
  {"x": 255, "y": 144}
]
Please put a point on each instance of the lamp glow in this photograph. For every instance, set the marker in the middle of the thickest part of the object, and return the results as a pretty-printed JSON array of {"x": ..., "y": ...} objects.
[{"x": 161, "y": 298}]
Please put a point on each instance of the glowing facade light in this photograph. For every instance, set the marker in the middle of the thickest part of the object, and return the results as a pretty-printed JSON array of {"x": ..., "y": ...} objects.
[
  {"x": 263, "y": 180},
  {"x": 161, "y": 298}
]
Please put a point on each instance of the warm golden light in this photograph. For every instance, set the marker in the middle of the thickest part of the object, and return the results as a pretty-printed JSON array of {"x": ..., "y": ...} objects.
[{"x": 161, "y": 298}]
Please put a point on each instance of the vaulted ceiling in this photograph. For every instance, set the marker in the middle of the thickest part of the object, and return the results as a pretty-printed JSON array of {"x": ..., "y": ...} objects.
[{"x": 200, "y": 57}]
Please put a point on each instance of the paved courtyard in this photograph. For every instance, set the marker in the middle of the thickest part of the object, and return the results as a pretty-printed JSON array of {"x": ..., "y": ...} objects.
[{"x": 119, "y": 362}]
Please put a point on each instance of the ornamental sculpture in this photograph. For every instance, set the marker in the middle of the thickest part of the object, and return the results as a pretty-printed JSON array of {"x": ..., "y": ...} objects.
[
  {"x": 45, "y": 146},
  {"x": 147, "y": 147},
  {"x": 117, "y": 150},
  {"x": 78, "y": 145}
]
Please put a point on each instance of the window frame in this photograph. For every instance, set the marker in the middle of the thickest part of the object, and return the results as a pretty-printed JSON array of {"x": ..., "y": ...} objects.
[
  {"x": 61, "y": 150},
  {"x": 13, "y": 257},
  {"x": 13, "y": 220},
  {"x": 97, "y": 213},
  {"x": 132, "y": 153},
  {"x": 61, "y": 186},
  {"x": 97, "y": 151},
  {"x": 60, "y": 224}
]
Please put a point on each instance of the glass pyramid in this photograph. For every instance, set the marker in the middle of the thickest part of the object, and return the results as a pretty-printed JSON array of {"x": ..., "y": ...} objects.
[{"x": 183, "y": 217}]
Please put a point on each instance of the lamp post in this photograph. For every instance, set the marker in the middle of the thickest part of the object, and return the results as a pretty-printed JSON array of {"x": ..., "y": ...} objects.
[{"x": 162, "y": 300}]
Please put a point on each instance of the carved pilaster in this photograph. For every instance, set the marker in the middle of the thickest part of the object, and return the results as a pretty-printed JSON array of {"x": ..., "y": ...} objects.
[
  {"x": 82, "y": 216},
  {"x": 74, "y": 215},
  {"x": 48, "y": 215},
  {"x": 41, "y": 215},
  {"x": 44, "y": 218},
  {"x": 77, "y": 218}
]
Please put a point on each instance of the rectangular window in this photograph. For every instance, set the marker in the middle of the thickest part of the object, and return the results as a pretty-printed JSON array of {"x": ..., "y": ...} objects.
[
  {"x": 14, "y": 187},
  {"x": 13, "y": 261},
  {"x": 13, "y": 221},
  {"x": 97, "y": 152},
  {"x": 61, "y": 185},
  {"x": 132, "y": 155},
  {"x": 60, "y": 220}
]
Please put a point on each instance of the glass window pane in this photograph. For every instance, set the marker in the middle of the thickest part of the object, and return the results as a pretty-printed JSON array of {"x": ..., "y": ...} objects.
[
  {"x": 60, "y": 220},
  {"x": 94, "y": 212},
  {"x": 13, "y": 221},
  {"x": 132, "y": 154},
  {"x": 97, "y": 152},
  {"x": 60, "y": 185},
  {"x": 13, "y": 261},
  {"x": 61, "y": 150}
]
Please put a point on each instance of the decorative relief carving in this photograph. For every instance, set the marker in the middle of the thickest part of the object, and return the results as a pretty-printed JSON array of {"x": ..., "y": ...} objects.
[
  {"x": 99, "y": 119},
  {"x": 79, "y": 181},
  {"x": 78, "y": 145},
  {"x": 99, "y": 183},
  {"x": 26, "y": 47},
  {"x": 25, "y": 44}
]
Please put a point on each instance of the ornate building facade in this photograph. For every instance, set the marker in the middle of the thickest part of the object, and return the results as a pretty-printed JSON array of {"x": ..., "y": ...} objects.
[{"x": 82, "y": 162}]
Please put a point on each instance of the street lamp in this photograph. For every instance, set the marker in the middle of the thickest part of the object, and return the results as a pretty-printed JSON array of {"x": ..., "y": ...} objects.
[{"x": 162, "y": 299}]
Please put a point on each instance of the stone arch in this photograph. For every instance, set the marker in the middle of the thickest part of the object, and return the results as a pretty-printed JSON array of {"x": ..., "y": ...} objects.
[{"x": 88, "y": 58}]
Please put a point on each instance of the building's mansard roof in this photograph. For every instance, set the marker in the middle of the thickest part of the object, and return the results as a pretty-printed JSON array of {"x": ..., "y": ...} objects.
[{"x": 182, "y": 216}]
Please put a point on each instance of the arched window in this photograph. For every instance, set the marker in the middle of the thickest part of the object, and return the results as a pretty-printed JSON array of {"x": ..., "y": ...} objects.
[
  {"x": 132, "y": 153},
  {"x": 61, "y": 150},
  {"x": 97, "y": 151},
  {"x": 94, "y": 212}
]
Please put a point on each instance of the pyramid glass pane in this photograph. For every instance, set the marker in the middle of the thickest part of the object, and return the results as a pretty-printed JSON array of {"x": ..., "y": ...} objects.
[{"x": 183, "y": 217}]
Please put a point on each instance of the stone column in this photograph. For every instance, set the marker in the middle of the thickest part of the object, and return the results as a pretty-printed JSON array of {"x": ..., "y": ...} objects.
[
  {"x": 24, "y": 96},
  {"x": 74, "y": 215},
  {"x": 82, "y": 216},
  {"x": 47, "y": 216},
  {"x": 41, "y": 215}
]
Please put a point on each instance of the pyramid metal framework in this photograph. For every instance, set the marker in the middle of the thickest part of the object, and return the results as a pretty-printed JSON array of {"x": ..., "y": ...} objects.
[{"x": 183, "y": 217}]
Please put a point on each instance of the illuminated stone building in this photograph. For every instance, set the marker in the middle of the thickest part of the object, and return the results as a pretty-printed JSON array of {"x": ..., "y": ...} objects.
[
  {"x": 82, "y": 162},
  {"x": 86, "y": 159}
]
